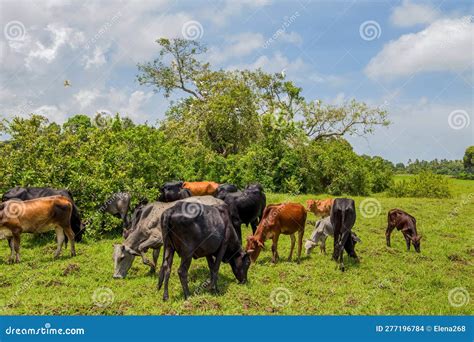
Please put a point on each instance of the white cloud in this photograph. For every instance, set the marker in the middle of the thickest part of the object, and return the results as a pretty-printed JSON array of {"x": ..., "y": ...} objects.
[
  {"x": 59, "y": 37},
  {"x": 443, "y": 46},
  {"x": 84, "y": 98},
  {"x": 96, "y": 59},
  {"x": 292, "y": 37},
  {"x": 236, "y": 46},
  {"x": 275, "y": 63},
  {"x": 410, "y": 14}
]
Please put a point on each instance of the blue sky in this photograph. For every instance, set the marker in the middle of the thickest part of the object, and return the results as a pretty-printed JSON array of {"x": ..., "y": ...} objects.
[{"x": 413, "y": 58}]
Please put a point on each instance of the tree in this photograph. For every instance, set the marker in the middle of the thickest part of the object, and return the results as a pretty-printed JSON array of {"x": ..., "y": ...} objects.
[
  {"x": 468, "y": 159},
  {"x": 353, "y": 118}
]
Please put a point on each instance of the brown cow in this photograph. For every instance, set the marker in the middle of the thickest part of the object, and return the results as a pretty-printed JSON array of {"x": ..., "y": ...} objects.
[
  {"x": 320, "y": 207},
  {"x": 36, "y": 216},
  {"x": 285, "y": 218},
  {"x": 407, "y": 224},
  {"x": 201, "y": 188}
]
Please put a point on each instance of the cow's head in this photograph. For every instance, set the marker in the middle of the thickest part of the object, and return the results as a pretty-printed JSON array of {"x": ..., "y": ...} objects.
[
  {"x": 254, "y": 246},
  {"x": 416, "y": 242},
  {"x": 310, "y": 204},
  {"x": 123, "y": 259},
  {"x": 240, "y": 266}
]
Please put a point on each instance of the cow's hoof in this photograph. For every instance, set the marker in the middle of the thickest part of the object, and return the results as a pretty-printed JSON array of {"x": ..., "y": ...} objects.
[
  {"x": 165, "y": 298},
  {"x": 73, "y": 254}
]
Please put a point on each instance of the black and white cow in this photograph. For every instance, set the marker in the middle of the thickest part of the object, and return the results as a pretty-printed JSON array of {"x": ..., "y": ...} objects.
[{"x": 343, "y": 216}]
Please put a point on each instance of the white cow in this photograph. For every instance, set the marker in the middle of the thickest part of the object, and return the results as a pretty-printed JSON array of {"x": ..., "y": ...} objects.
[{"x": 322, "y": 230}]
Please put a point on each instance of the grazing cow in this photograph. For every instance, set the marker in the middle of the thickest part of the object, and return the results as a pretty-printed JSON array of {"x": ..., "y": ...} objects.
[
  {"x": 322, "y": 230},
  {"x": 285, "y": 218},
  {"x": 246, "y": 207},
  {"x": 343, "y": 216},
  {"x": 210, "y": 235},
  {"x": 136, "y": 212},
  {"x": 224, "y": 189},
  {"x": 33, "y": 193},
  {"x": 118, "y": 205},
  {"x": 407, "y": 224},
  {"x": 320, "y": 207},
  {"x": 145, "y": 233},
  {"x": 201, "y": 188},
  {"x": 36, "y": 216},
  {"x": 173, "y": 191}
]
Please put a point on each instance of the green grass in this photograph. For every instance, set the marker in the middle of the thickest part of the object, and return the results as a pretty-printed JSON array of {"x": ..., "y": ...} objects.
[{"x": 388, "y": 281}]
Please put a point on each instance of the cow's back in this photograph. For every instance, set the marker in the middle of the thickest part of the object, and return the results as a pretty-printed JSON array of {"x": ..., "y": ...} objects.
[
  {"x": 201, "y": 188},
  {"x": 287, "y": 216}
]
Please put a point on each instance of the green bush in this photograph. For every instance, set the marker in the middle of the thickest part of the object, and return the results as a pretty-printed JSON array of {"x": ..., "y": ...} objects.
[{"x": 425, "y": 184}]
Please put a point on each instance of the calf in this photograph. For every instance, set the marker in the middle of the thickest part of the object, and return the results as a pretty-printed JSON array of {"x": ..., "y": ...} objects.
[
  {"x": 403, "y": 221},
  {"x": 36, "y": 216},
  {"x": 201, "y": 188},
  {"x": 145, "y": 233},
  {"x": 320, "y": 207},
  {"x": 246, "y": 207},
  {"x": 118, "y": 205},
  {"x": 343, "y": 216},
  {"x": 25, "y": 194},
  {"x": 173, "y": 191},
  {"x": 285, "y": 218},
  {"x": 225, "y": 189},
  {"x": 322, "y": 230},
  {"x": 210, "y": 235}
]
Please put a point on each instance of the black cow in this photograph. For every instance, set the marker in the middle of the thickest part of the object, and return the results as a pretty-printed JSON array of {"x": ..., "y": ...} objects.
[
  {"x": 33, "y": 193},
  {"x": 210, "y": 235},
  {"x": 224, "y": 189},
  {"x": 343, "y": 216},
  {"x": 248, "y": 206},
  {"x": 173, "y": 191},
  {"x": 118, "y": 205}
]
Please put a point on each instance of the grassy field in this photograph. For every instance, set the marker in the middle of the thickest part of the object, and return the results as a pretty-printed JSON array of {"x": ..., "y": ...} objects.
[{"x": 388, "y": 281}]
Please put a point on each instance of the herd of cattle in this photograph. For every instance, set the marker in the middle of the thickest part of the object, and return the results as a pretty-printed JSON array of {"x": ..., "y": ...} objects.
[{"x": 195, "y": 220}]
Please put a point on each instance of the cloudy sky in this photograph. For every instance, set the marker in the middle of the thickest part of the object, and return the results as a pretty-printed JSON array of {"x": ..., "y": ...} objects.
[{"x": 415, "y": 59}]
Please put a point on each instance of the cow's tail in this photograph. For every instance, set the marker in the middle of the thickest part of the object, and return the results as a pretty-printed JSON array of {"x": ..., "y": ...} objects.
[{"x": 76, "y": 223}]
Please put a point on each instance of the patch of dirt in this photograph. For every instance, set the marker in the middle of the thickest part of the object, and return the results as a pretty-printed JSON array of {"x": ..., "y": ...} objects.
[
  {"x": 457, "y": 258},
  {"x": 470, "y": 251},
  {"x": 5, "y": 283},
  {"x": 352, "y": 301},
  {"x": 70, "y": 269}
]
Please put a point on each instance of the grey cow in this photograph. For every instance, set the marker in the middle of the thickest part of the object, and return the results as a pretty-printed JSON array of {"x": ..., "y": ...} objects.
[
  {"x": 146, "y": 233},
  {"x": 322, "y": 230}
]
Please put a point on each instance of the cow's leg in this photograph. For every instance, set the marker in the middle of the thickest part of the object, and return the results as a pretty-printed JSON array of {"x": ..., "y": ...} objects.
[
  {"x": 183, "y": 275},
  {"x": 12, "y": 250},
  {"x": 275, "y": 256},
  {"x": 70, "y": 235},
  {"x": 300, "y": 244},
  {"x": 215, "y": 267},
  {"x": 156, "y": 254},
  {"x": 254, "y": 226},
  {"x": 152, "y": 242},
  {"x": 349, "y": 247},
  {"x": 15, "y": 257},
  {"x": 293, "y": 240},
  {"x": 408, "y": 241},
  {"x": 388, "y": 232},
  {"x": 323, "y": 244},
  {"x": 165, "y": 270},
  {"x": 60, "y": 240}
]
